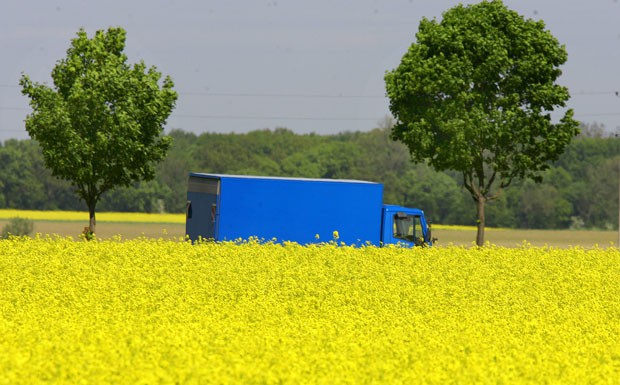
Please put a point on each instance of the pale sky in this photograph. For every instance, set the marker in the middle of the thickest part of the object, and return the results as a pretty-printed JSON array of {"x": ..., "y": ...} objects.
[{"x": 310, "y": 66}]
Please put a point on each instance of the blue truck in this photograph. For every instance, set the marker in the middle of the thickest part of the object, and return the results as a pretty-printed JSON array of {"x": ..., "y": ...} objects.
[{"x": 237, "y": 207}]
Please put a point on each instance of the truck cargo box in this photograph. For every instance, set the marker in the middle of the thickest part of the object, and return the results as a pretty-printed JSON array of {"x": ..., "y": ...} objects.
[{"x": 233, "y": 207}]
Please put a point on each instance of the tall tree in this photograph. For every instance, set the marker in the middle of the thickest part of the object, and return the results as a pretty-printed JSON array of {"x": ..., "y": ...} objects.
[
  {"x": 101, "y": 124},
  {"x": 474, "y": 94}
]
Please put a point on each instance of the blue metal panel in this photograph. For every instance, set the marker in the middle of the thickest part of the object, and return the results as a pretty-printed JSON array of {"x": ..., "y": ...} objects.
[{"x": 296, "y": 209}]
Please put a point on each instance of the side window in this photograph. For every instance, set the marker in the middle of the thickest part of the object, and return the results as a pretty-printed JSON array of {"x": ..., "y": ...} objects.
[{"x": 407, "y": 227}]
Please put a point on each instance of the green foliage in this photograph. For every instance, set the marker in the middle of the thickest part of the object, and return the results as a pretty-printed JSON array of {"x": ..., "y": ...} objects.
[
  {"x": 543, "y": 207},
  {"x": 140, "y": 197},
  {"x": 101, "y": 124},
  {"x": 579, "y": 190},
  {"x": 474, "y": 94},
  {"x": 18, "y": 227},
  {"x": 22, "y": 167}
]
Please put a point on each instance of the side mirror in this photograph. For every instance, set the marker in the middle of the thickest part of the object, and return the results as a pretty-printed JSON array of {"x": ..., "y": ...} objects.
[{"x": 430, "y": 236}]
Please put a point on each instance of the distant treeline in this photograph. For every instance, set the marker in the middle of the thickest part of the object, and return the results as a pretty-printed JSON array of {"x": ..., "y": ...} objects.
[{"x": 580, "y": 190}]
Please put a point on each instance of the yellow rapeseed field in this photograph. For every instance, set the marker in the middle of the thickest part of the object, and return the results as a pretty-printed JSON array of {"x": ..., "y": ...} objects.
[
  {"x": 80, "y": 216},
  {"x": 135, "y": 217},
  {"x": 168, "y": 312}
]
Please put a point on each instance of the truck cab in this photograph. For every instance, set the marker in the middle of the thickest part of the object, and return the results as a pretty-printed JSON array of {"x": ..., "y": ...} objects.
[{"x": 405, "y": 226}]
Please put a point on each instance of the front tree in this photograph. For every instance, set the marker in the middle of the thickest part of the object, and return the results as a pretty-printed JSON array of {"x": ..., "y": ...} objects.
[
  {"x": 474, "y": 94},
  {"x": 101, "y": 124}
]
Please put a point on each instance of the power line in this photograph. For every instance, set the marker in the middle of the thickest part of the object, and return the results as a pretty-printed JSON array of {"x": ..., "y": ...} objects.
[
  {"x": 241, "y": 117},
  {"x": 270, "y": 95},
  {"x": 600, "y": 114},
  {"x": 594, "y": 93},
  {"x": 318, "y": 96},
  {"x": 301, "y": 95},
  {"x": 233, "y": 117},
  {"x": 261, "y": 94},
  {"x": 309, "y": 118}
]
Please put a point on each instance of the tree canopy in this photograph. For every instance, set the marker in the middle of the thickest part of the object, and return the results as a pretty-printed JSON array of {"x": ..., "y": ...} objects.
[
  {"x": 101, "y": 125},
  {"x": 474, "y": 94}
]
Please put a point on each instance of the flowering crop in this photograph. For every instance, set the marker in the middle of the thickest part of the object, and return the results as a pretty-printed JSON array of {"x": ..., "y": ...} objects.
[
  {"x": 166, "y": 312},
  {"x": 101, "y": 217}
]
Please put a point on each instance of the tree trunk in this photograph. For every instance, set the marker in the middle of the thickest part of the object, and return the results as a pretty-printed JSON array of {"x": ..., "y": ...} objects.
[
  {"x": 480, "y": 200},
  {"x": 91, "y": 215}
]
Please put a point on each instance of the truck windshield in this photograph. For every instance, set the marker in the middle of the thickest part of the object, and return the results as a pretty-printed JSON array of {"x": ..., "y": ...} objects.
[{"x": 408, "y": 228}]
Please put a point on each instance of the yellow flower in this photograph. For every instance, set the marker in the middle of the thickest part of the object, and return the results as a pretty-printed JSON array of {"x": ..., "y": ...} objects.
[{"x": 160, "y": 311}]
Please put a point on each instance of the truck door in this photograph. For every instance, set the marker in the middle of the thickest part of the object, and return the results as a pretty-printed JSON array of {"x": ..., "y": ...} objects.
[
  {"x": 402, "y": 225},
  {"x": 202, "y": 211},
  {"x": 408, "y": 228}
]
